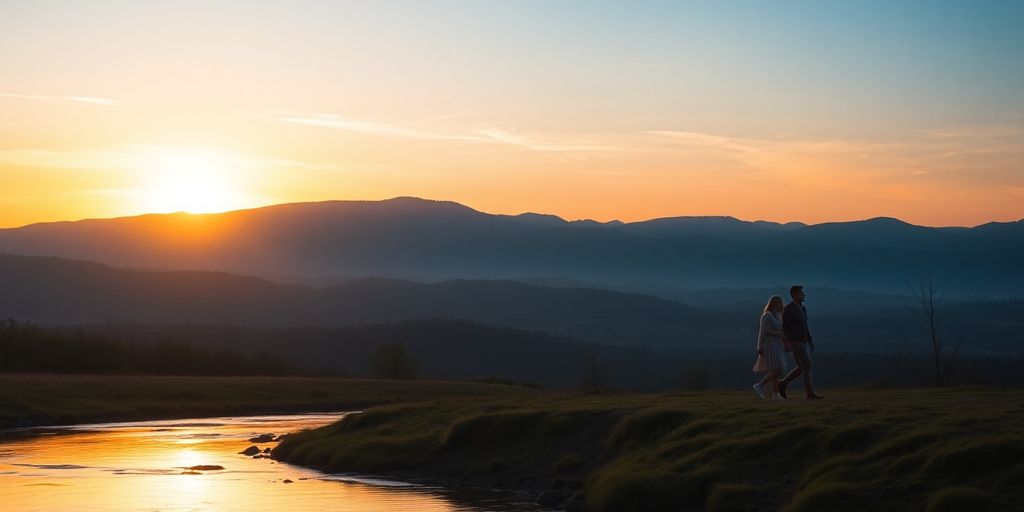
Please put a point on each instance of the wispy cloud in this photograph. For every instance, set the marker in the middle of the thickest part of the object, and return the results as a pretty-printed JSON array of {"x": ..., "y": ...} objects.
[
  {"x": 89, "y": 100},
  {"x": 961, "y": 154},
  {"x": 552, "y": 143}
]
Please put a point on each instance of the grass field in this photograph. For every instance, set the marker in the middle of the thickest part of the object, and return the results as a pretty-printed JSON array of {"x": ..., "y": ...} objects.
[
  {"x": 31, "y": 400},
  {"x": 884, "y": 450}
]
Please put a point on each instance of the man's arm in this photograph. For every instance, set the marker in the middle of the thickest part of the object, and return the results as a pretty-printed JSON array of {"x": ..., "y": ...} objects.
[
  {"x": 807, "y": 329},
  {"x": 789, "y": 323}
]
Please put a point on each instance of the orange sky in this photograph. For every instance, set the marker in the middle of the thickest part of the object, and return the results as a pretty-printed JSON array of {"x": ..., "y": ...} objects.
[{"x": 116, "y": 108}]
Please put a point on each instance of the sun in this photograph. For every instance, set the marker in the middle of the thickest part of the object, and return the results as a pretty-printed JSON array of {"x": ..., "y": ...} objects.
[{"x": 192, "y": 182}]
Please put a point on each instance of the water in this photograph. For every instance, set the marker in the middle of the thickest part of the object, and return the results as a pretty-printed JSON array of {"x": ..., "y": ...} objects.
[{"x": 144, "y": 466}]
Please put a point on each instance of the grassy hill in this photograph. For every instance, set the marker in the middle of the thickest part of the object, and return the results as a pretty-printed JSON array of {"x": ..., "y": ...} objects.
[{"x": 857, "y": 450}]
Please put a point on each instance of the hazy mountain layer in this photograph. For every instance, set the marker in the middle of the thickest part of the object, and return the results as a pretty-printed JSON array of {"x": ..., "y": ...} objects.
[
  {"x": 413, "y": 238},
  {"x": 59, "y": 291}
]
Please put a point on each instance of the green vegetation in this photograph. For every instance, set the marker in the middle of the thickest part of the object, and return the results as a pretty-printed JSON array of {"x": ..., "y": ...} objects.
[
  {"x": 392, "y": 361},
  {"x": 28, "y": 400},
  {"x": 879, "y": 450},
  {"x": 27, "y": 348}
]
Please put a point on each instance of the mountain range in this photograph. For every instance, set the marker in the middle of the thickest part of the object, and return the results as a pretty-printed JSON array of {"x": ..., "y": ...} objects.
[
  {"x": 424, "y": 240},
  {"x": 54, "y": 291}
]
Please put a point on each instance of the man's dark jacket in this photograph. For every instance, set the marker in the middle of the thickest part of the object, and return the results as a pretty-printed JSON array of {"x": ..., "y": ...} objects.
[{"x": 794, "y": 323}]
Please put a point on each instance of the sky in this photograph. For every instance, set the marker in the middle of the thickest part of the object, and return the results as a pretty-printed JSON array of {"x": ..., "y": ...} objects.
[{"x": 763, "y": 110}]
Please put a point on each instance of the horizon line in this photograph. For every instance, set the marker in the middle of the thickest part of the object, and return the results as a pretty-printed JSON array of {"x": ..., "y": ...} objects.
[{"x": 564, "y": 219}]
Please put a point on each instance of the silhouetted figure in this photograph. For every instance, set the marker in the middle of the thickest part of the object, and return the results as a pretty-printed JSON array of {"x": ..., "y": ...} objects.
[
  {"x": 771, "y": 354},
  {"x": 798, "y": 336}
]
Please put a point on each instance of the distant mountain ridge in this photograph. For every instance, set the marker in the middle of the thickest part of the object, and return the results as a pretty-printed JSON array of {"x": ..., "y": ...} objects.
[
  {"x": 439, "y": 240},
  {"x": 61, "y": 292}
]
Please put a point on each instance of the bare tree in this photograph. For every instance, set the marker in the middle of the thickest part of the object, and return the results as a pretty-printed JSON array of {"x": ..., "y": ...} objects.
[
  {"x": 392, "y": 361},
  {"x": 936, "y": 369}
]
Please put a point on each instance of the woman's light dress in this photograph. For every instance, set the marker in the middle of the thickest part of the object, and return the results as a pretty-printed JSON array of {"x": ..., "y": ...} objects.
[{"x": 773, "y": 354}]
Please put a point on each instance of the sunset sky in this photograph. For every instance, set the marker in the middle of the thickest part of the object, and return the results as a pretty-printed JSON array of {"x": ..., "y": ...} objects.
[{"x": 792, "y": 110}]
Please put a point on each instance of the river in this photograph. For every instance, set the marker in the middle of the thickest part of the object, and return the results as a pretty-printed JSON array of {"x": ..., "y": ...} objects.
[{"x": 156, "y": 466}]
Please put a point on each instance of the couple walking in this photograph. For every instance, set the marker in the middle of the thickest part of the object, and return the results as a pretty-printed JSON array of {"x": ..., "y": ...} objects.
[{"x": 784, "y": 329}]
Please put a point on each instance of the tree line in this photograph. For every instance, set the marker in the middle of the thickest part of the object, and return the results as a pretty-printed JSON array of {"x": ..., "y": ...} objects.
[{"x": 25, "y": 347}]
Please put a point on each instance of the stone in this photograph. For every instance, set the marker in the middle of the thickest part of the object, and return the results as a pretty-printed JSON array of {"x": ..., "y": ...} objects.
[{"x": 252, "y": 450}]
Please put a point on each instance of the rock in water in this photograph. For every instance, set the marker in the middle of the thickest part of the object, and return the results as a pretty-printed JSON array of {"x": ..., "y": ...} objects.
[
  {"x": 205, "y": 467},
  {"x": 252, "y": 450},
  {"x": 265, "y": 438}
]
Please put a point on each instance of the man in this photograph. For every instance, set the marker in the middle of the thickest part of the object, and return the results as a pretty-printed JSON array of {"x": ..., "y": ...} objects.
[{"x": 794, "y": 325}]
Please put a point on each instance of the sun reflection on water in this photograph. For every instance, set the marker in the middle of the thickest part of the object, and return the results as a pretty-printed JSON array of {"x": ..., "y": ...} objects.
[{"x": 146, "y": 467}]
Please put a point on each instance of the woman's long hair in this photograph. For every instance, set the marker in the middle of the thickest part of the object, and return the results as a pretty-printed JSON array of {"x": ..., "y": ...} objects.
[{"x": 771, "y": 301}]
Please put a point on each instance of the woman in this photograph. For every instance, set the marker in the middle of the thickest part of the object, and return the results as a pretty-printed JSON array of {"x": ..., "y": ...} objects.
[{"x": 771, "y": 355}]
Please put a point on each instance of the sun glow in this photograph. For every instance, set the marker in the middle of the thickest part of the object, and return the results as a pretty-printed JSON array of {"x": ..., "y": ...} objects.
[{"x": 192, "y": 182}]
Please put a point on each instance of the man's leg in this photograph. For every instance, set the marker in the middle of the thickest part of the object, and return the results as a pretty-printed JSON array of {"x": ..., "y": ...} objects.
[
  {"x": 806, "y": 364},
  {"x": 798, "y": 348}
]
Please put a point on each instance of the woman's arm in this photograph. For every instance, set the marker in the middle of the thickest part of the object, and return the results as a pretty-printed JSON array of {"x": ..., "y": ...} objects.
[{"x": 767, "y": 325}]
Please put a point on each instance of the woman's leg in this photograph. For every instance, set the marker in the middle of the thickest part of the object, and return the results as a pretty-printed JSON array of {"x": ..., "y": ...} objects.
[{"x": 773, "y": 382}]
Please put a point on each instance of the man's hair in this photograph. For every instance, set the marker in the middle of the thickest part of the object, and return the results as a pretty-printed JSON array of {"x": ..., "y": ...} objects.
[{"x": 795, "y": 288}]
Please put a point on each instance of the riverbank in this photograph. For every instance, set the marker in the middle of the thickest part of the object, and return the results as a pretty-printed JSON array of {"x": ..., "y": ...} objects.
[
  {"x": 42, "y": 400},
  {"x": 857, "y": 450}
]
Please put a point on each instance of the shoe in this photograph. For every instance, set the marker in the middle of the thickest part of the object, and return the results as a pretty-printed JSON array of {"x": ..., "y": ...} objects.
[
  {"x": 782, "y": 390},
  {"x": 759, "y": 389},
  {"x": 779, "y": 397},
  {"x": 814, "y": 396}
]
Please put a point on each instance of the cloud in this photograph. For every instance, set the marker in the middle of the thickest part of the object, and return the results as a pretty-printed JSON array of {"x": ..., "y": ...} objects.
[
  {"x": 546, "y": 143},
  {"x": 89, "y": 100},
  {"x": 934, "y": 149},
  {"x": 481, "y": 135}
]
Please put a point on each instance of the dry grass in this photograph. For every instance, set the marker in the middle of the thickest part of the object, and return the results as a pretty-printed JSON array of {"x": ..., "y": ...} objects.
[{"x": 879, "y": 450}]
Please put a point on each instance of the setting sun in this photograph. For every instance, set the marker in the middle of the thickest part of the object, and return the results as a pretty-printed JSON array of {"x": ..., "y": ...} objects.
[{"x": 192, "y": 182}]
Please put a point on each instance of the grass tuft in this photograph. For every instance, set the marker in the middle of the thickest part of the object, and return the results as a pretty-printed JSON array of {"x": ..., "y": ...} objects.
[
  {"x": 492, "y": 428},
  {"x": 831, "y": 496},
  {"x": 976, "y": 458},
  {"x": 645, "y": 426},
  {"x": 629, "y": 487},
  {"x": 730, "y": 497},
  {"x": 957, "y": 499}
]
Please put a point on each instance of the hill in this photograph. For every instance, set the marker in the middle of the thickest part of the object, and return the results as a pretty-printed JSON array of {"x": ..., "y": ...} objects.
[
  {"x": 54, "y": 291},
  {"x": 857, "y": 450},
  {"x": 436, "y": 240},
  {"x": 59, "y": 291}
]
